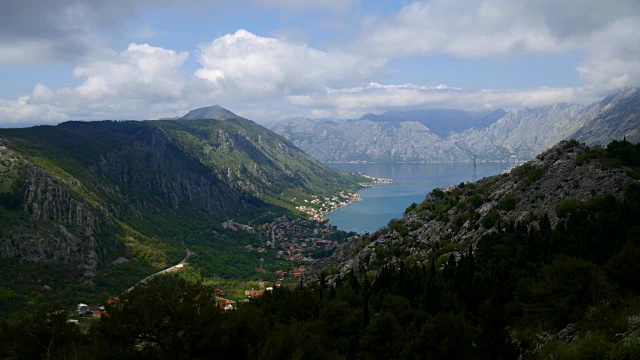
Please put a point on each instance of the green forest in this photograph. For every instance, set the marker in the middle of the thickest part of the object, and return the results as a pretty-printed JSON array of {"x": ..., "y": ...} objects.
[{"x": 564, "y": 292}]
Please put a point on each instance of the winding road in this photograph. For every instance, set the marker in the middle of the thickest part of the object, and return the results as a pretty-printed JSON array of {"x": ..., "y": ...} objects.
[{"x": 169, "y": 269}]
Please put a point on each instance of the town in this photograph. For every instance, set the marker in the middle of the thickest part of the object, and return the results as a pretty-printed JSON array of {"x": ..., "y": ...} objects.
[{"x": 320, "y": 206}]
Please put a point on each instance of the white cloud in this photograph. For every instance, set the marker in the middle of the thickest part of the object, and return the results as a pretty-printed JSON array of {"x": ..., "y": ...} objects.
[
  {"x": 20, "y": 112},
  {"x": 320, "y": 113},
  {"x": 608, "y": 33},
  {"x": 139, "y": 82},
  {"x": 252, "y": 66},
  {"x": 375, "y": 97}
]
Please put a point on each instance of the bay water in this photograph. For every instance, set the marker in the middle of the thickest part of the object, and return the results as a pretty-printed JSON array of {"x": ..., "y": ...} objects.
[{"x": 411, "y": 183}]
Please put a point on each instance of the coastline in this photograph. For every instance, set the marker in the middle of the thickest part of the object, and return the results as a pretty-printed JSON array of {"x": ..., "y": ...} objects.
[{"x": 328, "y": 205}]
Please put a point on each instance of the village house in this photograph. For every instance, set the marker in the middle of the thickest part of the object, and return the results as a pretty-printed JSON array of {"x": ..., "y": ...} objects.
[
  {"x": 219, "y": 292},
  {"x": 83, "y": 309},
  {"x": 222, "y": 303},
  {"x": 253, "y": 293}
]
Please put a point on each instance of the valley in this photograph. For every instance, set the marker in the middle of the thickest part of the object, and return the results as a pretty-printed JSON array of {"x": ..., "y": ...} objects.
[{"x": 78, "y": 196}]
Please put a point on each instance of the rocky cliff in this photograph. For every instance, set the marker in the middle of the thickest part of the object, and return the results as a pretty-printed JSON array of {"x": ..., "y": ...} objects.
[
  {"x": 47, "y": 219},
  {"x": 616, "y": 117}
]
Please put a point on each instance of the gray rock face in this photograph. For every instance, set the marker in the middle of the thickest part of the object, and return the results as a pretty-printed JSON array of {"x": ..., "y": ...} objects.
[
  {"x": 59, "y": 226},
  {"x": 366, "y": 140},
  {"x": 521, "y": 133},
  {"x": 441, "y": 122},
  {"x": 615, "y": 117}
]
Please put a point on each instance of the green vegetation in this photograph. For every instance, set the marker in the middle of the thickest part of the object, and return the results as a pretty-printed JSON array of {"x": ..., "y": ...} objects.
[
  {"x": 489, "y": 220},
  {"x": 508, "y": 202},
  {"x": 491, "y": 303},
  {"x": 525, "y": 290},
  {"x": 144, "y": 191},
  {"x": 529, "y": 172}
]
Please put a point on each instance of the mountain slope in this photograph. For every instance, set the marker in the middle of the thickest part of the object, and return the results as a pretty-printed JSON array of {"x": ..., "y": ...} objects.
[
  {"x": 524, "y": 132},
  {"x": 78, "y": 196},
  {"x": 366, "y": 140},
  {"x": 527, "y": 258},
  {"x": 462, "y": 215},
  {"x": 617, "y": 117},
  {"x": 449, "y": 135},
  {"x": 254, "y": 159},
  {"x": 85, "y": 178}
]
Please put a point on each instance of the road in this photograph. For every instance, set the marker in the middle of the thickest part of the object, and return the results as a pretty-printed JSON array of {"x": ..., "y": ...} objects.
[
  {"x": 263, "y": 215},
  {"x": 169, "y": 269}
]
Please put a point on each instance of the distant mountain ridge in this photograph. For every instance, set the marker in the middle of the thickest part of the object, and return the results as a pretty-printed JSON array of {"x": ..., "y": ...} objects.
[
  {"x": 437, "y": 135},
  {"x": 440, "y": 121}
]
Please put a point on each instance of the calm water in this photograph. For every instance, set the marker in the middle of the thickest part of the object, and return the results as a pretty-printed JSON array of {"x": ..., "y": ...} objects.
[{"x": 411, "y": 183}]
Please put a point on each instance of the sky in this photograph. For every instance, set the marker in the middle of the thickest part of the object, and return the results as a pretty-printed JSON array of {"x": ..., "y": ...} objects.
[{"x": 270, "y": 59}]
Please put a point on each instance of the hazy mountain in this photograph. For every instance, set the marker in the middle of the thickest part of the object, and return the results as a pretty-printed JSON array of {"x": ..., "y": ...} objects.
[
  {"x": 451, "y": 135},
  {"x": 367, "y": 140},
  {"x": 616, "y": 117},
  {"x": 523, "y": 133},
  {"x": 441, "y": 122}
]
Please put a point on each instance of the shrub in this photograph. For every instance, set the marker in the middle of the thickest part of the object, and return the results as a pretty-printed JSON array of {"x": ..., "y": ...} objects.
[
  {"x": 490, "y": 219},
  {"x": 476, "y": 201},
  {"x": 508, "y": 202},
  {"x": 410, "y": 207},
  {"x": 528, "y": 172},
  {"x": 566, "y": 207}
]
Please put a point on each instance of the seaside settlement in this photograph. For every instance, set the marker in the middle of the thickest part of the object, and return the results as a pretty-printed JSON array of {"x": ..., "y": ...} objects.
[
  {"x": 317, "y": 207},
  {"x": 283, "y": 248}
]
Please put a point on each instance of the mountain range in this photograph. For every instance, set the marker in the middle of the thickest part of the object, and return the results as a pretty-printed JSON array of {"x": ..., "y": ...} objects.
[
  {"x": 77, "y": 196},
  {"x": 441, "y": 135}
]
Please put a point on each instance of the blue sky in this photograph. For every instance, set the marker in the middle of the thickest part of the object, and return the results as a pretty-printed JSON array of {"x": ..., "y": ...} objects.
[{"x": 270, "y": 59}]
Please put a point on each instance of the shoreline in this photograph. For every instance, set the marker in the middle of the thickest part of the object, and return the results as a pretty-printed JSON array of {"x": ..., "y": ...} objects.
[{"x": 342, "y": 199}]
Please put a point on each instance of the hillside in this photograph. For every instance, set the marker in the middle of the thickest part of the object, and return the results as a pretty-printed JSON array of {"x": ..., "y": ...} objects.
[
  {"x": 439, "y": 135},
  {"x": 76, "y": 197},
  {"x": 553, "y": 242},
  {"x": 539, "y": 263},
  {"x": 253, "y": 158},
  {"x": 617, "y": 117}
]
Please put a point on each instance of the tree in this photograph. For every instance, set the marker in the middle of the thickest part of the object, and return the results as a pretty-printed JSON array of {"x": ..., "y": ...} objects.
[{"x": 164, "y": 318}]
